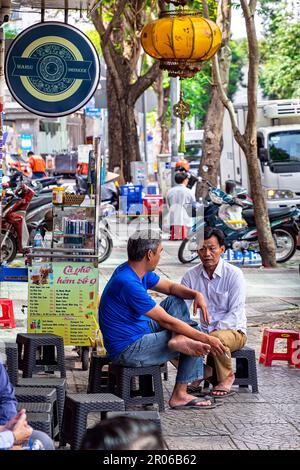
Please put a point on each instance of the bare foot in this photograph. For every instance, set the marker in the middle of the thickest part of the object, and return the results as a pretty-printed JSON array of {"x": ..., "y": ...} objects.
[
  {"x": 208, "y": 372},
  {"x": 223, "y": 388},
  {"x": 188, "y": 346}
]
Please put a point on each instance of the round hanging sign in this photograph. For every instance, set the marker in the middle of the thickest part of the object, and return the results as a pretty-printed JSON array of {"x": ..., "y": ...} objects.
[{"x": 52, "y": 69}]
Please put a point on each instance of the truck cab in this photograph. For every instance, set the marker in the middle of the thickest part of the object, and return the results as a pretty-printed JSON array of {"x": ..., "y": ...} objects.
[
  {"x": 278, "y": 142},
  {"x": 279, "y": 154}
]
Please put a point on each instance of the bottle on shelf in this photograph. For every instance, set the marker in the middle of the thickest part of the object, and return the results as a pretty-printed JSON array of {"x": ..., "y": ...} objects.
[{"x": 38, "y": 242}]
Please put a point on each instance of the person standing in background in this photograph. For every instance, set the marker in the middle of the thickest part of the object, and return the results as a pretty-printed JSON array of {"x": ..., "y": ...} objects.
[{"x": 37, "y": 164}]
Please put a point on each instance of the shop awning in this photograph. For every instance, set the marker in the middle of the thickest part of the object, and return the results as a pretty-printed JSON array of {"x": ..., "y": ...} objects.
[{"x": 50, "y": 4}]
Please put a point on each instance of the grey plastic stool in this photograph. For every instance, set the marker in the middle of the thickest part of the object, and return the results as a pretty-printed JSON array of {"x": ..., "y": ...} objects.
[
  {"x": 29, "y": 343},
  {"x": 77, "y": 408},
  {"x": 38, "y": 416},
  {"x": 150, "y": 389},
  {"x": 246, "y": 372},
  {"x": 98, "y": 378},
  {"x": 41, "y": 395},
  {"x": 10, "y": 353},
  {"x": 51, "y": 382}
]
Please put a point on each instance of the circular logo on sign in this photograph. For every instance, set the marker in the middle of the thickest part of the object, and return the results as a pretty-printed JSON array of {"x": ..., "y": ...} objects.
[{"x": 52, "y": 69}]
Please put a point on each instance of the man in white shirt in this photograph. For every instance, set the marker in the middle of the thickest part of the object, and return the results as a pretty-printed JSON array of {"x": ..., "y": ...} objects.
[{"x": 224, "y": 290}]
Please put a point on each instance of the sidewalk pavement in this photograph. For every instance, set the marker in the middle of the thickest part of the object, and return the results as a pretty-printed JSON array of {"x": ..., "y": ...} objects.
[{"x": 267, "y": 420}]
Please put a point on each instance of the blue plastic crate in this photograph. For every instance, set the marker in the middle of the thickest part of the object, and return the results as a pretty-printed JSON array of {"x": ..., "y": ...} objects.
[
  {"x": 8, "y": 274},
  {"x": 133, "y": 192},
  {"x": 153, "y": 189}
]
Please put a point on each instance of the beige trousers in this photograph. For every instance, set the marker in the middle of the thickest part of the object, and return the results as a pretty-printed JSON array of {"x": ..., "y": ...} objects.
[{"x": 233, "y": 340}]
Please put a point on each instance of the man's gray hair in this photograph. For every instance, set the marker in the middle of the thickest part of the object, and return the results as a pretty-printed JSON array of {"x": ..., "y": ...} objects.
[{"x": 141, "y": 242}]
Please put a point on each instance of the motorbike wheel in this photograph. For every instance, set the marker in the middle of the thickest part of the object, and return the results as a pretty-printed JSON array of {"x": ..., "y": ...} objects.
[
  {"x": 285, "y": 242},
  {"x": 105, "y": 245},
  {"x": 9, "y": 249},
  {"x": 188, "y": 250},
  {"x": 85, "y": 357}
]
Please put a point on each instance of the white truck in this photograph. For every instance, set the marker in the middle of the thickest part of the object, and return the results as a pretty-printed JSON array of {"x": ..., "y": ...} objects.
[{"x": 278, "y": 139}]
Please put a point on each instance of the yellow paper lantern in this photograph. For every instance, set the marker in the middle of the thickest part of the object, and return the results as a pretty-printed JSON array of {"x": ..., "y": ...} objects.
[{"x": 181, "y": 41}]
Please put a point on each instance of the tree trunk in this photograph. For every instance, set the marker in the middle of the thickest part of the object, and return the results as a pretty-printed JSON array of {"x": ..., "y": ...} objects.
[
  {"x": 213, "y": 127},
  {"x": 131, "y": 150},
  {"x": 116, "y": 149},
  {"x": 266, "y": 242},
  {"x": 161, "y": 132}
]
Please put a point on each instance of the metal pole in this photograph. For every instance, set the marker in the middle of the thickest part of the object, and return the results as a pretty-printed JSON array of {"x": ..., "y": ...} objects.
[
  {"x": 174, "y": 98},
  {"x": 145, "y": 126},
  {"x": 2, "y": 44}
]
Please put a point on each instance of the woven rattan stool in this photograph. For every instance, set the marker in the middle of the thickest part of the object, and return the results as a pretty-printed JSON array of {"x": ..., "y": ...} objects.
[
  {"x": 150, "y": 391},
  {"x": 9, "y": 357},
  {"x": 77, "y": 408},
  {"x": 29, "y": 343},
  {"x": 52, "y": 382},
  {"x": 98, "y": 378},
  {"x": 41, "y": 395},
  {"x": 246, "y": 372},
  {"x": 42, "y": 422}
]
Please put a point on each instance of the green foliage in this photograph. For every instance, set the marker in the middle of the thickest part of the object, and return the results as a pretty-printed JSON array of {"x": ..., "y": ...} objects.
[
  {"x": 93, "y": 35},
  {"x": 280, "y": 54},
  {"x": 196, "y": 92}
]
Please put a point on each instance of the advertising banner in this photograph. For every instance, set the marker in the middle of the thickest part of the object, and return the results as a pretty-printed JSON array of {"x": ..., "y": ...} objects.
[
  {"x": 52, "y": 69},
  {"x": 63, "y": 300}
]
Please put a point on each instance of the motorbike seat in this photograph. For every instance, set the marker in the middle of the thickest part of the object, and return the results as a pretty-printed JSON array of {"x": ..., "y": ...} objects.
[
  {"x": 39, "y": 202},
  {"x": 274, "y": 214}
]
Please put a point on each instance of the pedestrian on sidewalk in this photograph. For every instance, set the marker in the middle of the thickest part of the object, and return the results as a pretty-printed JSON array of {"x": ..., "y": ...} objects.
[
  {"x": 138, "y": 332},
  {"x": 224, "y": 289},
  {"x": 179, "y": 200}
]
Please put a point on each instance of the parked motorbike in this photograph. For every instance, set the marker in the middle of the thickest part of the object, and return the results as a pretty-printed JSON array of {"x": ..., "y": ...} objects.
[
  {"x": 14, "y": 231},
  {"x": 228, "y": 213}
]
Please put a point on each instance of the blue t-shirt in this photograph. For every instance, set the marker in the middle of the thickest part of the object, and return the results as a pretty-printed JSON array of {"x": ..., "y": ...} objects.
[{"x": 123, "y": 305}]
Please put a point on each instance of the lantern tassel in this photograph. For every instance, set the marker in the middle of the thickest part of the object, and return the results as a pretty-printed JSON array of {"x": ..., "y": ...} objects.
[{"x": 181, "y": 147}]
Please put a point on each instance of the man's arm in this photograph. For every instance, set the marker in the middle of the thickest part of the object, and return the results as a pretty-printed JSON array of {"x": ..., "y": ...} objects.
[
  {"x": 164, "y": 286},
  {"x": 175, "y": 325},
  {"x": 8, "y": 401}
]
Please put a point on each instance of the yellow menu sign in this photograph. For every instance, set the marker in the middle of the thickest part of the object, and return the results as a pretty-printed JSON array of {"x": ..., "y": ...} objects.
[{"x": 62, "y": 299}]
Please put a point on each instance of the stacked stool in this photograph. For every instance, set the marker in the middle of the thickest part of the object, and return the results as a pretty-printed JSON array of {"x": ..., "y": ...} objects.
[
  {"x": 267, "y": 354},
  {"x": 39, "y": 416},
  {"x": 41, "y": 395},
  {"x": 28, "y": 345},
  {"x": 8, "y": 318},
  {"x": 150, "y": 389}
]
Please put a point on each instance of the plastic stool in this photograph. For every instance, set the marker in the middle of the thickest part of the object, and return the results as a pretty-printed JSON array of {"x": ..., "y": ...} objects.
[
  {"x": 28, "y": 343},
  {"x": 8, "y": 318},
  {"x": 98, "y": 378},
  {"x": 267, "y": 354},
  {"x": 178, "y": 232},
  {"x": 77, "y": 408},
  {"x": 150, "y": 389},
  {"x": 246, "y": 372}
]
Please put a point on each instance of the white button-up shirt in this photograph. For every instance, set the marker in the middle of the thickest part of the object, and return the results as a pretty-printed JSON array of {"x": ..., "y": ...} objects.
[
  {"x": 225, "y": 295},
  {"x": 179, "y": 200}
]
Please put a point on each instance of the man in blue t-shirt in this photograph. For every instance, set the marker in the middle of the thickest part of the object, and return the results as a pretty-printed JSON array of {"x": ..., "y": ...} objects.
[{"x": 139, "y": 332}]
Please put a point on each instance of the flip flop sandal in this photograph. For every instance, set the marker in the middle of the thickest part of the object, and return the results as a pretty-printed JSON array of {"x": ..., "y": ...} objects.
[
  {"x": 194, "y": 389},
  {"x": 213, "y": 400},
  {"x": 192, "y": 405},
  {"x": 225, "y": 393}
]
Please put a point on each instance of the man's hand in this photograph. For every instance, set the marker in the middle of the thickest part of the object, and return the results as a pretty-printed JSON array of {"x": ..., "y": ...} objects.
[
  {"x": 21, "y": 430},
  {"x": 13, "y": 421},
  {"x": 199, "y": 302},
  {"x": 217, "y": 347}
]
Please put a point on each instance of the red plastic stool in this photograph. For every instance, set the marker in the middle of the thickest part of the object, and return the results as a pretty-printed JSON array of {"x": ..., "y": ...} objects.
[
  {"x": 178, "y": 232},
  {"x": 267, "y": 354},
  {"x": 8, "y": 318}
]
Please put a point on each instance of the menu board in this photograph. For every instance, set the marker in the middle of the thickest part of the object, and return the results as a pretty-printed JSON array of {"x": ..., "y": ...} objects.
[{"x": 63, "y": 300}]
